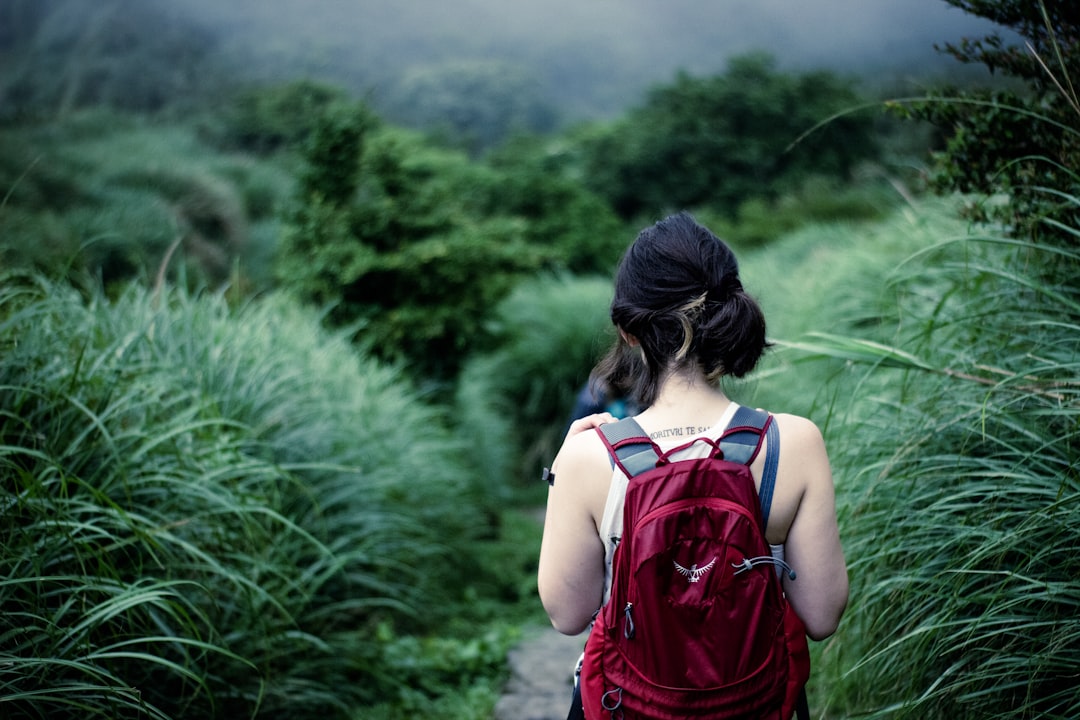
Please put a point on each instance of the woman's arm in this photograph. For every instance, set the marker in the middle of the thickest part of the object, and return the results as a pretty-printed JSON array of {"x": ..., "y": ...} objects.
[
  {"x": 571, "y": 572},
  {"x": 819, "y": 594}
]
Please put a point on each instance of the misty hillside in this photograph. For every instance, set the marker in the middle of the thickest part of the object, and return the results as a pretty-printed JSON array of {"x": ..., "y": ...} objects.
[
  {"x": 560, "y": 59},
  {"x": 593, "y": 57}
]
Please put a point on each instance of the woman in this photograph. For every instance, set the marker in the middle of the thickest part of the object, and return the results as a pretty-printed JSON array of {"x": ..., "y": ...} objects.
[{"x": 684, "y": 321}]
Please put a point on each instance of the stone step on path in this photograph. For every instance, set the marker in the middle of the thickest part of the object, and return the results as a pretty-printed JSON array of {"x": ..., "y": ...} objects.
[{"x": 541, "y": 676}]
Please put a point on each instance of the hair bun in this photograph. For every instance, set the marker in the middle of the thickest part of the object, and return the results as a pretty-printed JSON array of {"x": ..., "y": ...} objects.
[{"x": 728, "y": 288}]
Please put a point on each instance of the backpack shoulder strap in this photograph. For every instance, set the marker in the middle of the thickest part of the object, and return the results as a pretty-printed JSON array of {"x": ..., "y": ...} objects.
[
  {"x": 629, "y": 446},
  {"x": 634, "y": 452},
  {"x": 741, "y": 443}
]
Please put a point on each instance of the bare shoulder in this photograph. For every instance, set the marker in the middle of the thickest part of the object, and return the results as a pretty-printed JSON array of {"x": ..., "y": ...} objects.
[
  {"x": 570, "y": 576},
  {"x": 580, "y": 452},
  {"x": 803, "y": 457},
  {"x": 582, "y": 472},
  {"x": 806, "y": 523},
  {"x": 804, "y": 464},
  {"x": 799, "y": 433}
]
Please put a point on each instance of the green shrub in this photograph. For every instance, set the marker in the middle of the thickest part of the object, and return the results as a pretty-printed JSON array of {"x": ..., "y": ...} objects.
[
  {"x": 106, "y": 196},
  {"x": 390, "y": 234},
  {"x": 717, "y": 141},
  {"x": 1020, "y": 141},
  {"x": 278, "y": 117},
  {"x": 538, "y": 183}
]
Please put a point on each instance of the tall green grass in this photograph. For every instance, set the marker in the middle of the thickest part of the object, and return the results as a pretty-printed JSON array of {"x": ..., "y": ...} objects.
[
  {"x": 515, "y": 401},
  {"x": 942, "y": 362},
  {"x": 831, "y": 278},
  {"x": 960, "y": 493},
  {"x": 214, "y": 512}
]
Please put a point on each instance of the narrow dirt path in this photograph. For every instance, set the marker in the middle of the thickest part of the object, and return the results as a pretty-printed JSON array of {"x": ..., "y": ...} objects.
[{"x": 541, "y": 678}]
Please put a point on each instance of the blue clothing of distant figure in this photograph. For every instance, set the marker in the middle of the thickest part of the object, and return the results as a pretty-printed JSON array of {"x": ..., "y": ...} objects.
[{"x": 594, "y": 399}]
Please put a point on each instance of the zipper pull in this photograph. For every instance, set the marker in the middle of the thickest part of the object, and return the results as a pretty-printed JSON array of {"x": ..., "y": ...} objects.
[{"x": 628, "y": 625}]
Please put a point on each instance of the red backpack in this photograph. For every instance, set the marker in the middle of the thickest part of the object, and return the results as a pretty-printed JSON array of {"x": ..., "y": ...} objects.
[{"x": 697, "y": 624}]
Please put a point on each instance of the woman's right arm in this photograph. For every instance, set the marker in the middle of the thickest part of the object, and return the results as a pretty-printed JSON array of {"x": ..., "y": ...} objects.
[{"x": 570, "y": 577}]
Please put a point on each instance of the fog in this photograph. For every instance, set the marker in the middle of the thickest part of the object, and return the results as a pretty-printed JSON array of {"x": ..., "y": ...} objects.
[
  {"x": 592, "y": 56},
  {"x": 574, "y": 58}
]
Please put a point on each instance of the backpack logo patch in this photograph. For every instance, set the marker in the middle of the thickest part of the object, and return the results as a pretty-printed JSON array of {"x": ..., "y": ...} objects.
[{"x": 694, "y": 573}]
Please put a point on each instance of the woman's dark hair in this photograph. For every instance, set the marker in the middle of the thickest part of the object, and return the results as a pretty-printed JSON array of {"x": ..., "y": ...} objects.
[{"x": 678, "y": 293}]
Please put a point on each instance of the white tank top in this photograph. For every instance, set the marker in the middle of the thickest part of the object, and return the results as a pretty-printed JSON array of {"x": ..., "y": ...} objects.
[{"x": 611, "y": 524}]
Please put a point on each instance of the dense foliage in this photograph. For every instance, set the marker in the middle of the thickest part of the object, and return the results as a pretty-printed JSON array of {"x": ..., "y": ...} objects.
[
  {"x": 966, "y": 597},
  {"x": 387, "y": 233},
  {"x": 265, "y": 119},
  {"x": 414, "y": 244},
  {"x": 719, "y": 141},
  {"x": 1024, "y": 141},
  {"x": 112, "y": 198},
  {"x": 213, "y": 506}
]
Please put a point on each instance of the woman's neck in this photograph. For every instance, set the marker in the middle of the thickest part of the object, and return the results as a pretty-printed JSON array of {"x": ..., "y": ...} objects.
[{"x": 686, "y": 397}]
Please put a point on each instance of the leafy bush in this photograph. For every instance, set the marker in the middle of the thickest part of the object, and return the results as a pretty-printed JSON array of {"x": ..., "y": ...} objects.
[
  {"x": 715, "y": 142},
  {"x": 277, "y": 117},
  {"x": 539, "y": 183},
  {"x": 1020, "y": 142},
  {"x": 391, "y": 234},
  {"x": 209, "y": 513},
  {"x": 107, "y": 196}
]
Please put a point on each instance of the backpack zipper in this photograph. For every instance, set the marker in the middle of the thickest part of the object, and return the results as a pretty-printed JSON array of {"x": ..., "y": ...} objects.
[{"x": 677, "y": 505}]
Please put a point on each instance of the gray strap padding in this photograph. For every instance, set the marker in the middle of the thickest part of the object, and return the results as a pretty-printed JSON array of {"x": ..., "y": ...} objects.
[
  {"x": 638, "y": 454},
  {"x": 740, "y": 444},
  {"x": 743, "y": 437}
]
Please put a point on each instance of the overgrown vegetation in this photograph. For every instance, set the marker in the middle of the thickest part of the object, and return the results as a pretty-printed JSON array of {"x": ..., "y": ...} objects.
[
  {"x": 958, "y": 529},
  {"x": 207, "y": 506},
  {"x": 1020, "y": 141},
  {"x": 110, "y": 197},
  {"x": 389, "y": 233},
  {"x": 228, "y": 487},
  {"x": 965, "y": 491}
]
